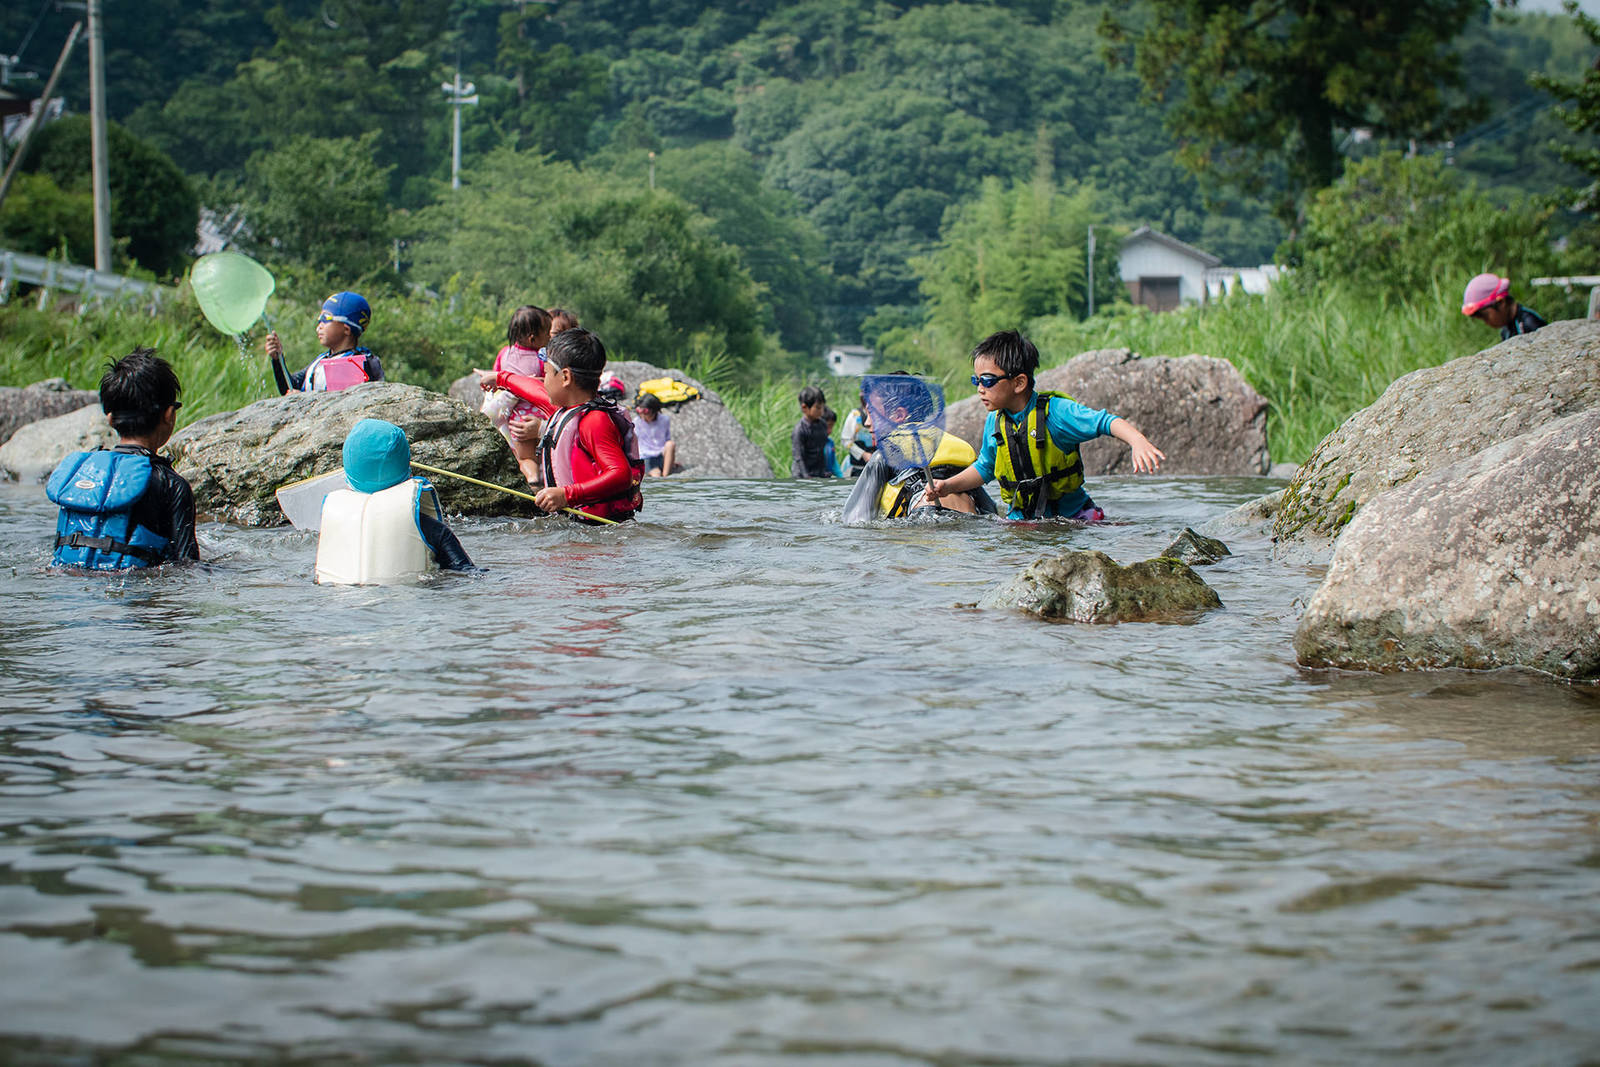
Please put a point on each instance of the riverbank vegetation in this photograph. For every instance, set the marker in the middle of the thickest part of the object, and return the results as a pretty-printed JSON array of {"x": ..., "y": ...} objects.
[{"x": 730, "y": 191}]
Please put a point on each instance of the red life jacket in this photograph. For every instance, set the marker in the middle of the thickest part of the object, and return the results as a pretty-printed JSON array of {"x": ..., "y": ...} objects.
[{"x": 561, "y": 440}]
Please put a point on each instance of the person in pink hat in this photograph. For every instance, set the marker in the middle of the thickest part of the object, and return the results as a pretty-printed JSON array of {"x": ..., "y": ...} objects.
[{"x": 1488, "y": 298}]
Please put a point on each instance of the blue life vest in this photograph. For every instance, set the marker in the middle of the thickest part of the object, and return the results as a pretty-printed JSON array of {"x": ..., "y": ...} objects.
[{"x": 96, "y": 492}]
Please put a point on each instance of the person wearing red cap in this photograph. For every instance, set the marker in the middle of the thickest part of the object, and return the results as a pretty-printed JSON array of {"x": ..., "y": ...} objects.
[{"x": 1488, "y": 298}]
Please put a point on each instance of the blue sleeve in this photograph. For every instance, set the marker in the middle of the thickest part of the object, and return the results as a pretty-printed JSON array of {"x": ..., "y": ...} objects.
[
  {"x": 985, "y": 460},
  {"x": 1071, "y": 423}
]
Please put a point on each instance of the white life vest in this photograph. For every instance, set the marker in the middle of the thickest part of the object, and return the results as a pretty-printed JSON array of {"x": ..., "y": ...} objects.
[
  {"x": 375, "y": 538},
  {"x": 329, "y": 374}
]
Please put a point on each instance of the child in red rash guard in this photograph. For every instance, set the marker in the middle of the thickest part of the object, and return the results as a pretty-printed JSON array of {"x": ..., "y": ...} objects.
[{"x": 590, "y": 456}]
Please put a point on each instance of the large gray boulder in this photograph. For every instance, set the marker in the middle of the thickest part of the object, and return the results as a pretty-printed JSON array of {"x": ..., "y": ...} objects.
[
  {"x": 1198, "y": 410},
  {"x": 41, "y": 400},
  {"x": 1492, "y": 561},
  {"x": 35, "y": 449},
  {"x": 237, "y": 460},
  {"x": 1090, "y": 586},
  {"x": 1437, "y": 416},
  {"x": 711, "y": 442}
]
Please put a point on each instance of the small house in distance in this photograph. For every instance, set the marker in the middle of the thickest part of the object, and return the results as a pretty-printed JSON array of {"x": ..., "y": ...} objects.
[
  {"x": 1162, "y": 272},
  {"x": 848, "y": 361}
]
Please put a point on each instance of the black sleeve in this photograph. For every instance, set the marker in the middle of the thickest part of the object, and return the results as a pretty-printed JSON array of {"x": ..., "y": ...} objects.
[
  {"x": 167, "y": 509},
  {"x": 797, "y": 454},
  {"x": 444, "y": 544},
  {"x": 373, "y": 367},
  {"x": 287, "y": 382}
]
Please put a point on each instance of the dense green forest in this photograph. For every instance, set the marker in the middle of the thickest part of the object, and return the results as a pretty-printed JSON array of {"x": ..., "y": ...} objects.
[{"x": 738, "y": 185}]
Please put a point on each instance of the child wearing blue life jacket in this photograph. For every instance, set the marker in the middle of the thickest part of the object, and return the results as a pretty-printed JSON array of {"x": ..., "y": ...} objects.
[
  {"x": 340, "y": 324},
  {"x": 1031, "y": 438},
  {"x": 126, "y": 507},
  {"x": 386, "y": 525}
]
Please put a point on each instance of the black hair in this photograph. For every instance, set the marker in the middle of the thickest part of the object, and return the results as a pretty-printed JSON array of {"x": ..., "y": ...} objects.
[
  {"x": 562, "y": 313},
  {"x": 530, "y": 326},
  {"x": 650, "y": 402},
  {"x": 1012, "y": 353},
  {"x": 137, "y": 390},
  {"x": 829, "y": 415},
  {"x": 581, "y": 352},
  {"x": 811, "y": 396}
]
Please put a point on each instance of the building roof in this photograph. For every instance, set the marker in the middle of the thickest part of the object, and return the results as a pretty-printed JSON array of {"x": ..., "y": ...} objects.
[{"x": 1145, "y": 233}]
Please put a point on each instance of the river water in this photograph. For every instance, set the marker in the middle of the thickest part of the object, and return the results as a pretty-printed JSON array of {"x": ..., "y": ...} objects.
[{"x": 740, "y": 785}]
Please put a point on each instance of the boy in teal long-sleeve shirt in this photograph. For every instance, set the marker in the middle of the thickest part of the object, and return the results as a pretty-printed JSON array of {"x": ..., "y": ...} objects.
[{"x": 1038, "y": 466}]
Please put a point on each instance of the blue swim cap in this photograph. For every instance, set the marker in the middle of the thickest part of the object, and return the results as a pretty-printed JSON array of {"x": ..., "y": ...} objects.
[
  {"x": 351, "y": 309},
  {"x": 376, "y": 456}
]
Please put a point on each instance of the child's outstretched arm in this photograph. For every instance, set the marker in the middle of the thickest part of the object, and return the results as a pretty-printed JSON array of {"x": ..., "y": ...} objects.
[
  {"x": 1146, "y": 456},
  {"x": 963, "y": 482}
]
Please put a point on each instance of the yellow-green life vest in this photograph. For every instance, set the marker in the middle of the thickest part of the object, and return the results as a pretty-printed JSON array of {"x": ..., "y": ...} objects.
[{"x": 1031, "y": 468}]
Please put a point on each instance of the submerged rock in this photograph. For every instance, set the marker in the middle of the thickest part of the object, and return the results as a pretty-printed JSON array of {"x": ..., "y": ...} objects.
[
  {"x": 1493, "y": 561},
  {"x": 1436, "y": 416},
  {"x": 1090, "y": 586},
  {"x": 1198, "y": 410},
  {"x": 35, "y": 449},
  {"x": 41, "y": 400},
  {"x": 237, "y": 460},
  {"x": 1196, "y": 550},
  {"x": 711, "y": 442}
]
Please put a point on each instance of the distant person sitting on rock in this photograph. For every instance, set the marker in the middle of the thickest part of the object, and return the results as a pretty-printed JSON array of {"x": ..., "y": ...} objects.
[
  {"x": 1488, "y": 299},
  {"x": 340, "y": 324},
  {"x": 654, "y": 429},
  {"x": 126, "y": 507},
  {"x": 810, "y": 433},
  {"x": 1038, "y": 468},
  {"x": 386, "y": 525},
  {"x": 526, "y": 336}
]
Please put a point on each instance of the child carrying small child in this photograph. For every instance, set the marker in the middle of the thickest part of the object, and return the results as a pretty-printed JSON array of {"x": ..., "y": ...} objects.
[
  {"x": 589, "y": 453},
  {"x": 1031, "y": 438},
  {"x": 526, "y": 336}
]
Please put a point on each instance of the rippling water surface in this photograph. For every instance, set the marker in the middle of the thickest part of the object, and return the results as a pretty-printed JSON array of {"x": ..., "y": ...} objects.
[{"x": 738, "y": 785}]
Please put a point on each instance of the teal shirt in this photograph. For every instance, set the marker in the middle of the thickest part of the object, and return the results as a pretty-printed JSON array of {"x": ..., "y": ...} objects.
[{"x": 1069, "y": 424}]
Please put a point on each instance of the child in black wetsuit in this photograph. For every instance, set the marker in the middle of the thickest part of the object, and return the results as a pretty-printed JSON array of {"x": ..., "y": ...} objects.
[
  {"x": 126, "y": 507},
  {"x": 1488, "y": 299}
]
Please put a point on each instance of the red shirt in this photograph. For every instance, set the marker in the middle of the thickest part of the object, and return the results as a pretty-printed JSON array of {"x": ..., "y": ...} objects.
[{"x": 600, "y": 468}]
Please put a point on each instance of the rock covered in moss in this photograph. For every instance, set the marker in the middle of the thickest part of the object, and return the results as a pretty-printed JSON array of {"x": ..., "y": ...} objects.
[
  {"x": 1493, "y": 561},
  {"x": 236, "y": 460},
  {"x": 1196, "y": 550},
  {"x": 1090, "y": 586},
  {"x": 1436, "y": 416}
]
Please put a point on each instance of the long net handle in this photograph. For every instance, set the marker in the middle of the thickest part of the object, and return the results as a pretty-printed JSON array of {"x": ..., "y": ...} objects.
[{"x": 512, "y": 492}]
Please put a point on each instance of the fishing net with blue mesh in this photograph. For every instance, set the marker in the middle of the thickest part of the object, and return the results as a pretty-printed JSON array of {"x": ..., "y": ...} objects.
[{"x": 907, "y": 418}]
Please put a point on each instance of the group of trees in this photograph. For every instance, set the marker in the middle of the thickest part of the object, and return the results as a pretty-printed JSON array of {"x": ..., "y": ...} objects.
[{"x": 763, "y": 176}]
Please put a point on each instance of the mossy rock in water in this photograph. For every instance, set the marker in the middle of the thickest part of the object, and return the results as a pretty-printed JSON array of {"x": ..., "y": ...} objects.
[
  {"x": 1196, "y": 550},
  {"x": 1093, "y": 587}
]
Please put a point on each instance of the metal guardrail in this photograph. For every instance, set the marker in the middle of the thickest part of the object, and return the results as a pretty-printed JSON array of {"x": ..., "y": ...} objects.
[{"x": 51, "y": 275}]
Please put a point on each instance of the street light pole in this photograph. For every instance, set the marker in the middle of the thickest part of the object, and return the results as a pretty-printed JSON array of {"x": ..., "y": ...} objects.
[
  {"x": 1090, "y": 315},
  {"x": 98, "y": 151},
  {"x": 460, "y": 96}
]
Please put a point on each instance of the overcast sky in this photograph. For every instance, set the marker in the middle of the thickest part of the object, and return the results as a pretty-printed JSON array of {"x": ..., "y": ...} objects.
[{"x": 1590, "y": 7}]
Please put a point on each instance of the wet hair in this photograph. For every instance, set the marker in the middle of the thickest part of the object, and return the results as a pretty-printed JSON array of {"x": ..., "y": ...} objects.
[
  {"x": 650, "y": 402},
  {"x": 562, "y": 319},
  {"x": 811, "y": 396},
  {"x": 137, "y": 390},
  {"x": 582, "y": 353},
  {"x": 1011, "y": 352},
  {"x": 530, "y": 326}
]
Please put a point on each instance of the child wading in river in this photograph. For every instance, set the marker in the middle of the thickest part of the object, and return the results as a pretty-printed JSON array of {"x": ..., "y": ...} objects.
[
  {"x": 1031, "y": 438},
  {"x": 588, "y": 453}
]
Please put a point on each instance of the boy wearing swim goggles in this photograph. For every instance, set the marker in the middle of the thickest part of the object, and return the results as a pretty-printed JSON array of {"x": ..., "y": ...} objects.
[{"x": 1031, "y": 438}]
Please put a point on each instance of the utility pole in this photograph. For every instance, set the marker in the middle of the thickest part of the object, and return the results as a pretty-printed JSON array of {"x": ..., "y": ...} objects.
[
  {"x": 652, "y": 171},
  {"x": 1091, "y": 274},
  {"x": 38, "y": 116},
  {"x": 460, "y": 96},
  {"x": 98, "y": 160}
]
